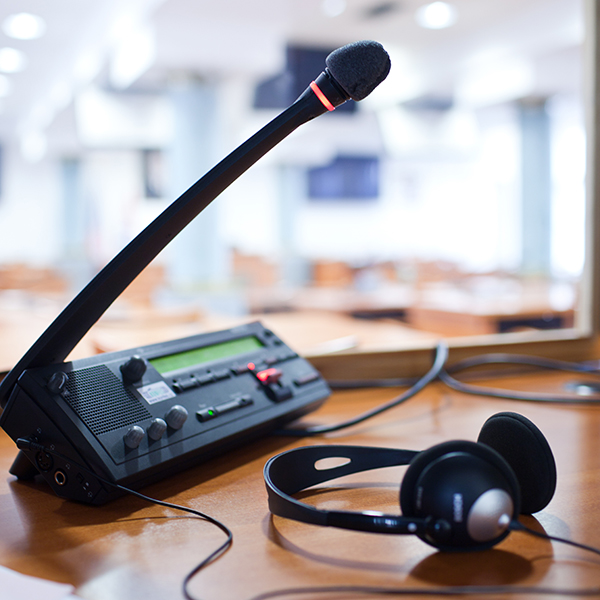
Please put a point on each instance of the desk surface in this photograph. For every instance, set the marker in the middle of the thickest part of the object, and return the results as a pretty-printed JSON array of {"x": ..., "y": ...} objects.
[{"x": 128, "y": 550}]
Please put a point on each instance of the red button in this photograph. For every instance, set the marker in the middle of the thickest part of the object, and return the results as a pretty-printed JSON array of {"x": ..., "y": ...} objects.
[{"x": 269, "y": 376}]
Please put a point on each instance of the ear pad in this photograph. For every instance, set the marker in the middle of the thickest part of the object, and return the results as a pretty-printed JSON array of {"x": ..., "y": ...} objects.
[
  {"x": 526, "y": 450},
  {"x": 467, "y": 485}
]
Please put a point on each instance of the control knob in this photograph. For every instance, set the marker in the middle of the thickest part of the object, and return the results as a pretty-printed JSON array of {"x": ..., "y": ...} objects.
[
  {"x": 133, "y": 370},
  {"x": 57, "y": 382},
  {"x": 156, "y": 429},
  {"x": 134, "y": 436},
  {"x": 176, "y": 416}
]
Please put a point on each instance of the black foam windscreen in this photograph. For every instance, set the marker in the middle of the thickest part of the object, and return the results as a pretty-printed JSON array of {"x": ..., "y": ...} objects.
[
  {"x": 527, "y": 451},
  {"x": 359, "y": 67}
]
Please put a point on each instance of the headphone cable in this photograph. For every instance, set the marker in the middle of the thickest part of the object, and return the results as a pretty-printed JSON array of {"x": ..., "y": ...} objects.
[
  {"x": 518, "y": 526},
  {"x": 27, "y": 444},
  {"x": 476, "y": 590}
]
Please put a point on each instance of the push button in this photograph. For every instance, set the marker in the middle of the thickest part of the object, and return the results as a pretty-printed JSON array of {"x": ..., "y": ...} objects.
[
  {"x": 304, "y": 379},
  {"x": 206, "y": 414},
  {"x": 278, "y": 393},
  {"x": 269, "y": 376},
  {"x": 240, "y": 369},
  {"x": 234, "y": 404},
  {"x": 186, "y": 384},
  {"x": 204, "y": 379},
  {"x": 222, "y": 374},
  {"x": 269, "y": 380}
]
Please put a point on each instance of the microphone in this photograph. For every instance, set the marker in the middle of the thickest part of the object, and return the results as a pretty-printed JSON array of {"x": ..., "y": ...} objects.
[
  {"x": 352, "y": 72},
  {"x": 359, "y": 67}
]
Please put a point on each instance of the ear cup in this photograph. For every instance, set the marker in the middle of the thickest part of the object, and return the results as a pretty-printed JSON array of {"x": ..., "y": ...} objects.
[
  {"x": 527, "y": 451},
  {"x": 467, "y": 485}
]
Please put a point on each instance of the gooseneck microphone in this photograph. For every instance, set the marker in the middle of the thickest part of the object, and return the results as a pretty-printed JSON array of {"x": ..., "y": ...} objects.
[{"x": 352, "y": 72}]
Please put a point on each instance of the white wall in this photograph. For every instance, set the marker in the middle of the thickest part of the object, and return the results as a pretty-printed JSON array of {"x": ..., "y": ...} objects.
[
  {"x": 458, "y": 206},
  {"x": 31, "y": 227},
  {"x": 461, "y": 206}
]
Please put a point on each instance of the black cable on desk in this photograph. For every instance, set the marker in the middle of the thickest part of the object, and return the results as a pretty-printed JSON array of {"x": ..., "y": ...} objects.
[
  {"x": 447, "y": 376},
  {"x": 26, "y": 444},
  {"x": 358, "y": 384},
  {"x": 451, "y": 590},
  {"x": 441, "y": 355},
  {"x": 476, "y": 590},
  {"x": 519, "y": 360}
]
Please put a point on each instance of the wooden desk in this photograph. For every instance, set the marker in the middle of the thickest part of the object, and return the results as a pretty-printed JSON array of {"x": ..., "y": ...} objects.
[{"x": 127, "y": 550}]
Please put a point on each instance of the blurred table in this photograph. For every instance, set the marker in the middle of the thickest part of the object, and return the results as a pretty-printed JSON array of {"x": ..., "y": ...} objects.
[
  {"x": 488, "y": 320},
  {"x": 492, "y": 306},
  {"x": 127, "y": 550}
]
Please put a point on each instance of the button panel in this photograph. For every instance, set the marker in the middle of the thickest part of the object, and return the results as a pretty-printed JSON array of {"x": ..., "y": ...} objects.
[{"x": 227, "y": 395}]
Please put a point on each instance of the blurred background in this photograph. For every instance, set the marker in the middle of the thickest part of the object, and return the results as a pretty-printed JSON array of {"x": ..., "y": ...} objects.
[{"x": 450, "y": 202}]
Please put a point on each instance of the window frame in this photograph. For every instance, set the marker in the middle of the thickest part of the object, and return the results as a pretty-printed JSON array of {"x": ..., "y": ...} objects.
[{"x": 580, "y": 343}]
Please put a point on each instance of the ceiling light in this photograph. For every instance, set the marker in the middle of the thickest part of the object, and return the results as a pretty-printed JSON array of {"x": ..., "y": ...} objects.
[
  {"x": 5, "y": 86},
  {"x": 24, "y": 26},
  {"x": 133, "y": 56},
  {"x": 437, "y": 15},
  {"x": 12, "y": 60}
]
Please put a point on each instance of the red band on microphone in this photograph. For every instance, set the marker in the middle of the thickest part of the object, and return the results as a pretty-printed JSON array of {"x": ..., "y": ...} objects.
[{"x": 321, "y": 96}]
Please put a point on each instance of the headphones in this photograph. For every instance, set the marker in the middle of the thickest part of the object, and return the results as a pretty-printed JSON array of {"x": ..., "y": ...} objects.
[{"x": 457, "y": 495}]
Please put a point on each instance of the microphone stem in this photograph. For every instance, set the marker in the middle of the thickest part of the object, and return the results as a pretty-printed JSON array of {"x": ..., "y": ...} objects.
[{"x": 65, "y": 332}]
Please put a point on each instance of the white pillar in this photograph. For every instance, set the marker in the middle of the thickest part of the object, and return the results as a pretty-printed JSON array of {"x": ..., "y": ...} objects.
[
  {"x": 197, "y": 258},
  {"x": 536, "y": 188}
]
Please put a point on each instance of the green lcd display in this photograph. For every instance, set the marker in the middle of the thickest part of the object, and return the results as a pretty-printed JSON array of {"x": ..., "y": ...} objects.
[{"x": 197, "y": 356}]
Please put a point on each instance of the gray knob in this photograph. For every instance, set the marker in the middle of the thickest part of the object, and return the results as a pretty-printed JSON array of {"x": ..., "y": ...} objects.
[
  {"x": 133, "y": 370},
  {"x": 156, "y": 429},
  {"x": 134, "y": 436},
  {"x": 176, "y": 417}
]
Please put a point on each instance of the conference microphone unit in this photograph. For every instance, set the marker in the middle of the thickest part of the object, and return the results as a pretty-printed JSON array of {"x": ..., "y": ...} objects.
[{"x": 135, "y": 416}]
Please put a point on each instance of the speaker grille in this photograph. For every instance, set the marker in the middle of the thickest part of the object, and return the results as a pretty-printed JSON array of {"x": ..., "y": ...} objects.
[{"x": 101, "y": 401}]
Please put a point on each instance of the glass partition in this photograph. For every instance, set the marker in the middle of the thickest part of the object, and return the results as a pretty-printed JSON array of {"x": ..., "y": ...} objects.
[{"x": 456, "y": 202}]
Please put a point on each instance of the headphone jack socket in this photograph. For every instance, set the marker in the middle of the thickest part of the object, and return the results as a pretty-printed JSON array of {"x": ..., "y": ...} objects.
[{"x": 60, "y": 477}]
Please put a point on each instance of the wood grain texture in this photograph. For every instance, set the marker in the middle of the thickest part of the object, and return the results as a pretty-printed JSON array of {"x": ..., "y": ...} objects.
[{"x": 128, "y": 550}]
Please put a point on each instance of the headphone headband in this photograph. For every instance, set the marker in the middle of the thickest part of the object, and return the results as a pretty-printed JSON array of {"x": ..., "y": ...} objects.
[{"x": 295, "y": 470}]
